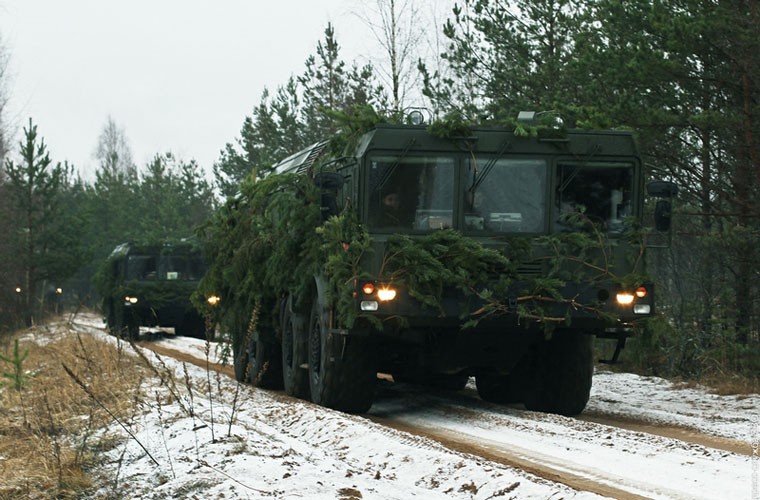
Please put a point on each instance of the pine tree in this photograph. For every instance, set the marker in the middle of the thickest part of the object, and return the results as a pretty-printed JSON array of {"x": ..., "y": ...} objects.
[{"x": 35, "y": 188}]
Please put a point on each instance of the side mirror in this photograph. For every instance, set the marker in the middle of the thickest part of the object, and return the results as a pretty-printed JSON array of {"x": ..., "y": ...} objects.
[
  {"x": 663, "y": 215},
  {"x": 331, "y": 181},
  {"x": 662, "y": 189}
]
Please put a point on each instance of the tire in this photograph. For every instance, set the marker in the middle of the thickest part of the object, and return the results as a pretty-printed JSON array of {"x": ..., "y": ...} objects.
[
  {"x": 240, "y": 364},
  {"x": 130, "y": 330},
  {"x": 342, "y": 373},
  {"x": 564, "y": 373},
  {"x": 258, "y": 363},
  {"x": 295, "y": 352}
]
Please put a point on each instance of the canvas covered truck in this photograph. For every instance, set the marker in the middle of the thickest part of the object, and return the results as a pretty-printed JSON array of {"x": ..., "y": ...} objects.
[
  {"x": 494, "y": 253},
  {"x": 151, "y": 285}
]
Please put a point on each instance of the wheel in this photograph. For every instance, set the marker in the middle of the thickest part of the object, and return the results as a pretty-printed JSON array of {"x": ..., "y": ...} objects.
[
  {"x": 563, "y": 377},
  {"x": 240, "y": 364},
  {"x": 342, "y": 373},
  {"x": 258, "y": 362},
  {"x": 130, "y": 327},
  {"x": 295, "y": 351}
]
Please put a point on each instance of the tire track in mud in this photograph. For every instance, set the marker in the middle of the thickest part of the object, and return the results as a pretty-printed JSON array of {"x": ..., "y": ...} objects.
[
  {"x": 544, "y": 466},
  {"x": 469, "y": 398},
  {"x": 464, "y": 444}
]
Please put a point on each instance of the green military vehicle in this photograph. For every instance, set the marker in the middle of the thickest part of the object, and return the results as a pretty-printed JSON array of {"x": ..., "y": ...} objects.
[
  {"x": 492, "y": 253},
  {"x": 151, "y": 285}
]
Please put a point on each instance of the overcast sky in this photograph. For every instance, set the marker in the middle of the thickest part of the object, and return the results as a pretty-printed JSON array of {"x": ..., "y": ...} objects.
[{"x": 177, "y": 75}]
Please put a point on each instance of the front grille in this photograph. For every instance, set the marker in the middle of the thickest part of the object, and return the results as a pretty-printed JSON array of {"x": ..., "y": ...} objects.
[{"x": 530, "y": 269}]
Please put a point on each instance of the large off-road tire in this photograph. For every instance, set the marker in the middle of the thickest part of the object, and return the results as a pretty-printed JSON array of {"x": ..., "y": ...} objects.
[
  {"x": 295, "y": 351},
  {"x": 564, "y": 370},
  {"x": 342, "y": 372},
  {"x": 240, "y": 361},
  {"x": 258, "y": 363},
  {"x": 129, "y": 327}
]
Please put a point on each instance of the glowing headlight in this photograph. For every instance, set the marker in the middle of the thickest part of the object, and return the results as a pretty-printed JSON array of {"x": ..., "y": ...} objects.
[
  {"x": 386, "y": 294},
  {"x": 213, "y": 300},
  {"x": 624, "y": 298},
  {"x": 130, "y": 300}
]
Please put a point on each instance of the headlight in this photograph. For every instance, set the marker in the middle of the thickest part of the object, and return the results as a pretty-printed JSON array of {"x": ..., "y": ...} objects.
[
  {"x": 130, "y": 300},
  {"x": 385, "y": 294},
  {"x": 213, "y": 300},
  {"x": 624, "y": 298}
]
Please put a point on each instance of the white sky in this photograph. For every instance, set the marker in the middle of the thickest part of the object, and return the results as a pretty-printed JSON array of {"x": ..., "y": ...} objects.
[{"x": 177, "y": 75}]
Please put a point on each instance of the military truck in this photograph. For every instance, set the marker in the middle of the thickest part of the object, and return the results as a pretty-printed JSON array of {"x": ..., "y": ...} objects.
[
  {"x": 151, "y": 285},
  {"x": 494, "y": 253}
]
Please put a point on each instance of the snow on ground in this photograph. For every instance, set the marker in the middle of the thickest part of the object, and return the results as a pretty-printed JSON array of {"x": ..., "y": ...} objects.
[
  {"x": 281, "y": 448},
  {"x": 659, "y": 401}
]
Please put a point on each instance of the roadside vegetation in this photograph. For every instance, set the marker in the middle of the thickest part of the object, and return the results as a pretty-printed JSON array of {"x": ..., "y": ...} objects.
[
  {"x": 69, "y": 397},
  {"x": 51, "y": 429}
]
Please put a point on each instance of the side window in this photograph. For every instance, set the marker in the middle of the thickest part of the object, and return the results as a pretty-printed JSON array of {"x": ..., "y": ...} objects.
[
  {"x": 599, "y": 194},
  {"x": 414, "y": 192}
]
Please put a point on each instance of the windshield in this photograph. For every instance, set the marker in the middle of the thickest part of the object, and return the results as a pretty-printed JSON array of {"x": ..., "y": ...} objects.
[
  {"x": 599, "y": 193},
  {"x": 505, "y": 195},
  {"x": 165, "y": 267},
  {"x": 415, "y": 192}
]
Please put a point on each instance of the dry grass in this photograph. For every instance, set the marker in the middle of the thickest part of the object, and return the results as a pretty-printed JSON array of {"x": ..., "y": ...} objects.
[{"x": 51, "y": 430}]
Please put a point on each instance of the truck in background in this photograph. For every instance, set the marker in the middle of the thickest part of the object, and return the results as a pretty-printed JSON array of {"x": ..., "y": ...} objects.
[{"x": 151, "y": 285}]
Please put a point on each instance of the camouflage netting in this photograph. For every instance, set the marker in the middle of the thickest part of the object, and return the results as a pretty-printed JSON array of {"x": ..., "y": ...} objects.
[{"x": 269, "y": 241}]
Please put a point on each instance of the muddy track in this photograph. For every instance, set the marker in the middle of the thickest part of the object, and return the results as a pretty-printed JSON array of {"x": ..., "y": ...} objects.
[{"x": 397, "y": 402}]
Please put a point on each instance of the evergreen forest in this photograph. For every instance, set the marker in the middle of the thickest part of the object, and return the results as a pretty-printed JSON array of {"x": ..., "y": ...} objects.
[{"x": 683, "y": 75}]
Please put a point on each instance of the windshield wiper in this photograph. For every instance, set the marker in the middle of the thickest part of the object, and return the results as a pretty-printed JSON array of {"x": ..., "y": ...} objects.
[
  {"x": 385, "y": 176},
  {"x": 480, "y": 177}
]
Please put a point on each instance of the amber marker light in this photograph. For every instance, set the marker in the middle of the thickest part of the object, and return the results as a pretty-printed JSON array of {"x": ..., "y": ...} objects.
[
  {"x": 368, "y": 288},
  {"x": 641, "y": 292}
]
